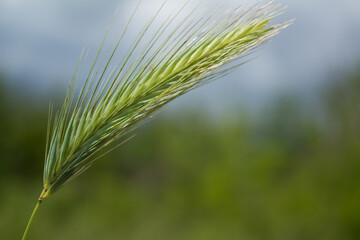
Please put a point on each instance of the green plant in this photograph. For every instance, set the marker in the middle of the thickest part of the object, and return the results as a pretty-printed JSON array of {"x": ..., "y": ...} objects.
[{"x": 113, "y": 103}]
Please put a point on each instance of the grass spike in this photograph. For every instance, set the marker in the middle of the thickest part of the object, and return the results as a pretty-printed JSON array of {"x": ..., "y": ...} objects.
[{"x": 114, "y": 100}]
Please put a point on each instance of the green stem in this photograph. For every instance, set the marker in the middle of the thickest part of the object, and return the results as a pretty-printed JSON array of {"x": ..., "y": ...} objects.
[{"x": 31, "y": 219}]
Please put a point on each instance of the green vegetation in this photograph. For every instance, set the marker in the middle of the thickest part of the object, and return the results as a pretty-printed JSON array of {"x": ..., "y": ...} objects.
[
  {"x": 113, "y": 102},
  {"x": 291, "y": 175}
]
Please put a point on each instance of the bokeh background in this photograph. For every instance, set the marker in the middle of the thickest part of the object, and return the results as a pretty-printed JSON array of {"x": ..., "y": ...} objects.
[{"x": 271, "y": 151}]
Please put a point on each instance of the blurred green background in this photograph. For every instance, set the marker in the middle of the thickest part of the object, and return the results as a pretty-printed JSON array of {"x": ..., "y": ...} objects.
[{"x": 291, "y": 171}]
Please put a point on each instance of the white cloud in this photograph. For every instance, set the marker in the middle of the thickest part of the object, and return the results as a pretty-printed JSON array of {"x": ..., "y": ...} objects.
[{"x": 323, "y": 35}]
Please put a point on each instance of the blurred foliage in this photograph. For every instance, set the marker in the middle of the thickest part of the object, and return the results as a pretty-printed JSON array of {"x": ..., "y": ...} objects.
[{"x": 286, "y": 175}]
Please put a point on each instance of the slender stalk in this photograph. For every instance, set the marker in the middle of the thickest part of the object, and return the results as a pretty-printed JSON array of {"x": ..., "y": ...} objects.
[{"x": 32, "y": 216}]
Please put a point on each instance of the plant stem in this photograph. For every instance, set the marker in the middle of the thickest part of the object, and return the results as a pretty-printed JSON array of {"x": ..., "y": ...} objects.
[{"x": 31, "y": 219}]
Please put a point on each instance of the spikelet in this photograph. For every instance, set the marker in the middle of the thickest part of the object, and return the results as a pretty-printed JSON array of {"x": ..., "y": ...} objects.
[{"x": 197, "y": 51}]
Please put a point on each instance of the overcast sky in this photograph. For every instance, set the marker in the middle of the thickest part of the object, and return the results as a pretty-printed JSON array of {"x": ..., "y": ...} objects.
[{"x": 41, "y": 40}]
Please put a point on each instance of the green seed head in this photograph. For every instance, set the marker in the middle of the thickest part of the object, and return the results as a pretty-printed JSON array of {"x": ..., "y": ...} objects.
[{"x": 111, "y": 104}]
